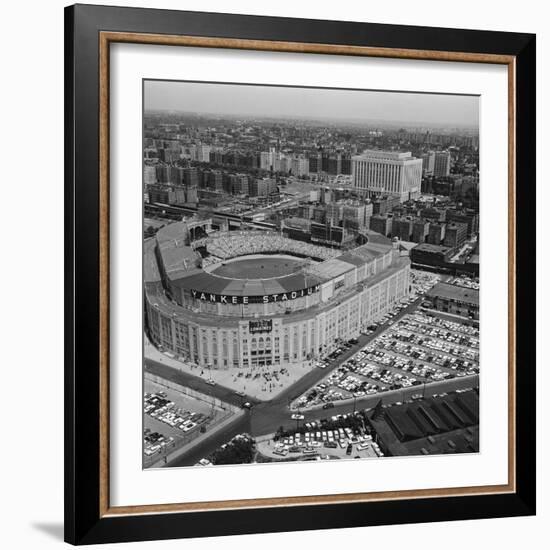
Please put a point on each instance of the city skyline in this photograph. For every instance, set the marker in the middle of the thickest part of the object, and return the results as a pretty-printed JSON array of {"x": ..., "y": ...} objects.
[
  {"x": 345, "y": 105},
  {"x": 311, "y": 283}
]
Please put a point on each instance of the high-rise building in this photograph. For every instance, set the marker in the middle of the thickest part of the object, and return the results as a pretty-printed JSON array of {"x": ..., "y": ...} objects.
[
  {"x": 346, "y": 165},
  {"x": 334, "y": 166},
  {"x": 282, "y": 163},
  {"x": 265, "y": 160},
  {"x": 179, "y": 196},
  {"x": 237, "y": 184},
  {"x": 149, "y": 175},
  {"x": 191, "y": 195},
  {"x": 215, "y": 180},
  {"x": 455, "y": 234},
  {"x": 162, "y": 172},
  {"x": 402, "y": 228},
  {"x": 354, "y": 215},
  {"x": 300, "y": 166},
  {"x": 381, "y": 223},
  {"x": 172, "y": 155},
  {"x": 369, "y": 210},
  {"x": 318, "y": 214},
  {"x": 436, "y": 233},
  {"x": 442, "y": 164},
  {"x": 161, "y": 193},
  {"x": 383, "y": 205},
  {"x": 315, "y": 164},
  {"x": 216, "y": 156},
  {"x": 331, "y": 235},
  {"x": 420, "y": 231},
  {"x": 262, "y": 187},
  {"x": 469, "y": 217},
  {"x": 203, "y": 153},
  {"x": 388, "y": 172},
  {"x": 191, "y": 177},
  {"x": 335, "y": 213},
  {"x": 434, "y": 214},
  {"x": 428, "y": 160}
]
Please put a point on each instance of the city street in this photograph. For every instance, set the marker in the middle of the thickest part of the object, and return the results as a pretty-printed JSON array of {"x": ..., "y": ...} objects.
[{"x": 266, "y": 417}]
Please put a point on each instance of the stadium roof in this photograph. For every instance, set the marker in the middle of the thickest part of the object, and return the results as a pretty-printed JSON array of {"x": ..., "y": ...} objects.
[
  {"x": 182, "y": 266},
  {"x": 150, "y": 267},
  {"x": 377, "y": 238},
  {"x": 172, "y": 232},
  {"x": 158, "y": 297},
  {"x": 365, "y": 253},
  {"x": 331, "y": 268}
]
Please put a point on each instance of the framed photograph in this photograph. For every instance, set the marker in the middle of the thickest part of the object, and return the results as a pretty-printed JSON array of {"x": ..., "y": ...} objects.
[{"x": 300, "y": 274}]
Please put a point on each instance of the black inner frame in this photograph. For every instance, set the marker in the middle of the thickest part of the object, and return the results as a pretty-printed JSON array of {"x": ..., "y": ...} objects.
[{"x": 83, "y": 524}]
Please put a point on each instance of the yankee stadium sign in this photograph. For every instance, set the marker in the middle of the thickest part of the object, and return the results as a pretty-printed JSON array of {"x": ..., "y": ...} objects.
[{"x": 266, "y": 299}]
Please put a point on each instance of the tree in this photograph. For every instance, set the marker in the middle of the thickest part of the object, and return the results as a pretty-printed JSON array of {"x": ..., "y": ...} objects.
[{"x": 240, "y": 450}]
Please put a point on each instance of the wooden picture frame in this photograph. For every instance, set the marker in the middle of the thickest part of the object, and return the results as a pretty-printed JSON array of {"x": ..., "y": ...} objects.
[{"x": 89, "y": 32}]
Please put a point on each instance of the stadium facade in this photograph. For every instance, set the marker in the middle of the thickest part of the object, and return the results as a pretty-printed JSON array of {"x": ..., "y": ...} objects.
[{"x": 309, "y": 298}]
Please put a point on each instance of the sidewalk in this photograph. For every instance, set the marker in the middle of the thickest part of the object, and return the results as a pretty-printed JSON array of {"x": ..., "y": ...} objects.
[{"x": 262, "y": 383}]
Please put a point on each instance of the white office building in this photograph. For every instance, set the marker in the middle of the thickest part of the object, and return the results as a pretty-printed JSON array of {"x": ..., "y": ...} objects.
[{"x": 388, "y": 173}]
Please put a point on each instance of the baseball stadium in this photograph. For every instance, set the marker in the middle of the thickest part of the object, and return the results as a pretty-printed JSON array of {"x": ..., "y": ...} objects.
[{"x": 249, "y": 298}]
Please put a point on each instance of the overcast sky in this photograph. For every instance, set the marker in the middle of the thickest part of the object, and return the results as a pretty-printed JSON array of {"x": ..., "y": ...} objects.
[{"x": 277, "y": 101}]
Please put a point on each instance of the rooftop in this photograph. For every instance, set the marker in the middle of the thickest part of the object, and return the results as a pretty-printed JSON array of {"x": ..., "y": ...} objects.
[
  {"x": 384, "y": 155},
  {"x": 435, "y": 425},
  {"x": 427, "y": 247},
  {"x": 454, "y": 292},
  {"x": 182, "y": 266}
]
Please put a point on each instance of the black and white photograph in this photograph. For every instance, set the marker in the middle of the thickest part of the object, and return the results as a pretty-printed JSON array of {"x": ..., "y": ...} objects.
[
  {"x": 278, "y": 275},
  {"x": 310, "y": 274}
]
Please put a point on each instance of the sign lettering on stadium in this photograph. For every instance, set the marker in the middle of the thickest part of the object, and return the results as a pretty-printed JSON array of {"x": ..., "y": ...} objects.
[
  {"x": 339, "y": 283},
  {"x": 263, "y": 325},
  {"x": 266, "y": 299}
]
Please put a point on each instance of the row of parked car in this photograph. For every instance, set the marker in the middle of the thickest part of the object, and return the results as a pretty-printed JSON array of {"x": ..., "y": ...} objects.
[
  {"x": 334, "y": 355},
  {"x": 311, "y": 442},
  {"x": 157, "y": 405},
  {"x": 418, "y": 361},
  {"x": 426, "y": 349},
  {"x": 435, "y": 321},
  {"x": 465, "y": 282},
  {"x": 417, "y": 326},
  {"x": 421, "y": 282},
  {"x": 411, "y": 352},
  {"x": 155, "y": 442}
]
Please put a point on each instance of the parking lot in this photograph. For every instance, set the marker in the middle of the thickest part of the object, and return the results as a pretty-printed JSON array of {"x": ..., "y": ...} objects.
[
  {"x": 465, "y": 282},
  {"x": 340, "y": 436},
  {"x": 170, "y": 419},
  {"x": 421, "y": 282},
  {"x": 418, "y": 349}
]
